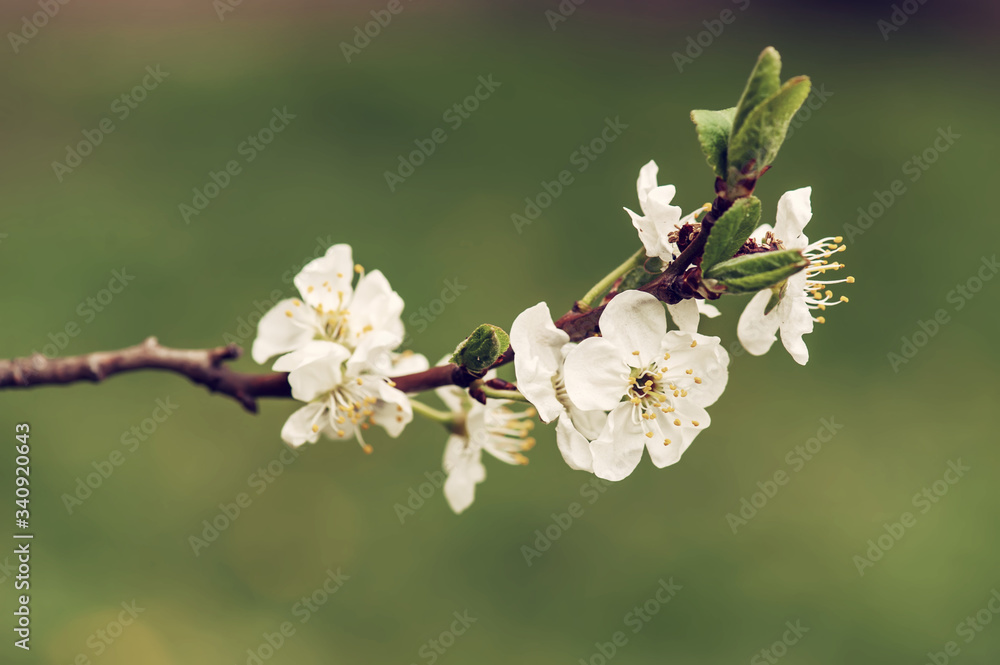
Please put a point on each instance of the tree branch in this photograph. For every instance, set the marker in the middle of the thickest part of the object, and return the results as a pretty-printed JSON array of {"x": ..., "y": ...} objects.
[{"x": 202, "y": 366}]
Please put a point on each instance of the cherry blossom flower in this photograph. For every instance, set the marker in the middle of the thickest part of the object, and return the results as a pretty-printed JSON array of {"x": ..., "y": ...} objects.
[
  {"x": 345, "y": 392},
  {"x": 804, "y": 292},
  {"x": 655, "y": 384},
  {"x": 332, "y": 308},
  {"x": 494, "y": 428},
  {"x": 540, "y": 350}
]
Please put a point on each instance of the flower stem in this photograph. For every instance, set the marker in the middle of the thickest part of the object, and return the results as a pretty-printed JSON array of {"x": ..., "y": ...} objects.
[
  {"x": 430, "y": 413},
  {"x": 503, "y": 394},
  {"x": 593, "y": 296}
]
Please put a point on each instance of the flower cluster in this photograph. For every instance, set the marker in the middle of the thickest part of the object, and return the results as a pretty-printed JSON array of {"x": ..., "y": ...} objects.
[
  {"x": 635, "y": 387},
  {"x": 337, "y": 344}
]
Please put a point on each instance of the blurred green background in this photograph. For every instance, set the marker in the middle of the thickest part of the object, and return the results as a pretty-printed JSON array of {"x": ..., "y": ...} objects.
[{"x": 322, "y": 181}]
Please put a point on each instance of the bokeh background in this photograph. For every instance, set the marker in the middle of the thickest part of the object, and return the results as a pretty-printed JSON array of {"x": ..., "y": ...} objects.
[{"x": 321, "y": 181}]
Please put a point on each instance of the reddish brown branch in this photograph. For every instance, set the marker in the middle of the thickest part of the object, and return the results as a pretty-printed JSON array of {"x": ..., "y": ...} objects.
[{"x": 202, "y": 366}]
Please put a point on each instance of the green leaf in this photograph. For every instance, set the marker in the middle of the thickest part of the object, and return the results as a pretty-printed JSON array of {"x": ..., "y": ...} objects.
[
  {"x": 482, "y": 348},
  {"x": 714, "y": 128},
  {"x": 764, "y": 81},
  {"x": 730, "y": 231},
  {"x": 756, "y": 143},
  {"x": 754, "y": 272}
]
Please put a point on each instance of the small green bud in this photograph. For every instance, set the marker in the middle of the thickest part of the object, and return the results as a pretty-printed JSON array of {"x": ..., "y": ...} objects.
[
  {"x": 482, "y": 348},
  {"x": 754, "y": 272}
]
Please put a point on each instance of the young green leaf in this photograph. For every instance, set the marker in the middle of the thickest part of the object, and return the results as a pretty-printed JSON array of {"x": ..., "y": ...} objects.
[
  {"x": 764, "y": 81},
  {"x": 756, "y": 143},
  {"x": 730, "y": 231},
  {"x": 714, "y": 128},
  {"x": 754, "y": 272}
]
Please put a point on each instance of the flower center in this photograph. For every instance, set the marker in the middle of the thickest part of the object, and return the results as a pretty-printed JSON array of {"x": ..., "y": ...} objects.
[
  {"x": 655, "y": 390},
  {"x": 350, "y": 408}
]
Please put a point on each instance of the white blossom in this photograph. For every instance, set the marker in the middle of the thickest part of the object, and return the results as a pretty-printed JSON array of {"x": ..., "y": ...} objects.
[
  {"x": 540, "y": 350},
  {"x": 345, "y": 392},
  {"x": 494, "y": 428},
  {"x": 655, "y": 384},
  {"x": 804, "y": 292},
  {"x": 333, "y": 307}
]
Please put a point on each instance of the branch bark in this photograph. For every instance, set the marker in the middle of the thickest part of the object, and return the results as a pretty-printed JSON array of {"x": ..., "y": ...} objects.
[{"x": 201, "y": 366}]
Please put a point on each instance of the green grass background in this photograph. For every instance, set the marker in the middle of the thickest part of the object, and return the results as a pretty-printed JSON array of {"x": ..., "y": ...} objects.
[{"x": 322, "y": 181}]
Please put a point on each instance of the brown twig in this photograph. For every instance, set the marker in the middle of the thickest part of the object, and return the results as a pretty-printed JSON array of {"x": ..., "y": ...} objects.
[{"x": 202, "y": 366}]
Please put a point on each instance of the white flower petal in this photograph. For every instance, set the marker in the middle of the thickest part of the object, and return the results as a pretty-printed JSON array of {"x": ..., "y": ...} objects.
[
  {"x": 707, "y": 360},
  {"x": 596, "y": 375},
  {"x": 680, "y": 437},
  {"x": 634, "y": 321},
  {"x": 646, "y": 182},
  {"x": 298, "y": 429},
  {"x": 374, "y": 354},
  {"x": 707, "y": 310},
  {"x": 794, "y": 212},
  {"x": 309, "y": 352},
  {"x": 685, "y": 314},
  {"x": 618, "y": 450},
  {"x": 279, "y": 333},
  {"x": 408, "y": 362},
  {"x": 538, "y": 358},
  {"x": 575, "y": 448},
  {"x": 314, "y": 369},
  {"x": 588, "y": 423},
  {"x": 393, "y": 411},
  {"x": 655, "y": 243},
  {"x": 465, "y": 470},
  {"x": 327, "y": 280},
  {"x": 375, "y": 306},
  {"x": 756, "y": 331},
  {"x": 658, "y": 205},
  {"x": 796, "y": 318}
]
